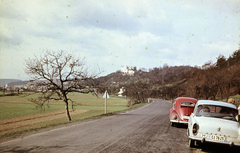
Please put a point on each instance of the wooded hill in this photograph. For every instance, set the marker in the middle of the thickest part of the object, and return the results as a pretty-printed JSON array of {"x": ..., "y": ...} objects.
[
  {"x": 4, "y": 82},
  {"x": 155, "y": 76},
  {"x": 220, "y": 79}
]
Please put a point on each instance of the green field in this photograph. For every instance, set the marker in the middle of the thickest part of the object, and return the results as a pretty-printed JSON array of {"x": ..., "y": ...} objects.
[
  {"x": 14, "y": 106},
  {"x": 20, "y": 106}
]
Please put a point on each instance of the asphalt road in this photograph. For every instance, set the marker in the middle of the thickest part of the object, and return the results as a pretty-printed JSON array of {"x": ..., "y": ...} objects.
[{"x": 146, "y": 130}]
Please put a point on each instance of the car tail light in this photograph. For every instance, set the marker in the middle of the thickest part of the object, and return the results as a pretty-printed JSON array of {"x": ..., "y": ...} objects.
[
  {"x": 175, "y": 117},
  {"x": 195, "y": 129}
]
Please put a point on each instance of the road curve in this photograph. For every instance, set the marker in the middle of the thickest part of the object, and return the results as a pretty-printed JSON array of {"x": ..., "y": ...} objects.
[{"x": 146, "y": 129}]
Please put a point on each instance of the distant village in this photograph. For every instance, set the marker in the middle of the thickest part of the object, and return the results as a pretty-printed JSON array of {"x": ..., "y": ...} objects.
[
  {"x": 23, "y": 86},
  {"x": 18, "y": 86}
]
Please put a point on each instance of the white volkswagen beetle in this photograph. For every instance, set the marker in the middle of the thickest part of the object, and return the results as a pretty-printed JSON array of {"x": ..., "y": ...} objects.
[{"x": 215, "y": 122}]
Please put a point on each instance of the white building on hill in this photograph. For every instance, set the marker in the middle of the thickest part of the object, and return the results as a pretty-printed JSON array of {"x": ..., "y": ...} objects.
[
  {"x": 121, "y": 92},
  {"x": 128, "y": 70}
]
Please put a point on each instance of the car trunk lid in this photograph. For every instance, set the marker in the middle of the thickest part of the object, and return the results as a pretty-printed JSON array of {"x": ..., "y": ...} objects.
[{"x": 217, "y": 126}]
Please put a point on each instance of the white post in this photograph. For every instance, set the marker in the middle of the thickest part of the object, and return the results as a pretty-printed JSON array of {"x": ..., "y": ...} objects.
[
  {"x": 106, "y": 104},
  {"x": 106, "y": 96}
]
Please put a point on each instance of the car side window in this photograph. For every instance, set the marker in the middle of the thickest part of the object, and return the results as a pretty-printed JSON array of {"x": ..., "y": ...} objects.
[{"x": 203, "y": 110}]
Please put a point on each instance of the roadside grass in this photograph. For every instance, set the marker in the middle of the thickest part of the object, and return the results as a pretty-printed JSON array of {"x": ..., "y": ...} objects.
[
  {"x": 17, "y": 106},
  {"x": 6, "y": 93},
  {"x": 236, "y": 98},
  {"x": 10, "y": 110}
]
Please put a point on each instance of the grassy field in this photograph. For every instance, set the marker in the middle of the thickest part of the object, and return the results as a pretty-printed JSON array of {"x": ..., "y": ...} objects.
[{"x": 18, "y": 107}]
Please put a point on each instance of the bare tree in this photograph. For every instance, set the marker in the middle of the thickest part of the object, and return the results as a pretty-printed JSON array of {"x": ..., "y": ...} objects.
[
  {"x": 137, "y": 91},
  {"x": 59, "y": 73}
]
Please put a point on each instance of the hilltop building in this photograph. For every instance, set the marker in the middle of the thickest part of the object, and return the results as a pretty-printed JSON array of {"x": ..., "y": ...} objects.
[{"x": 128, "y": 70}]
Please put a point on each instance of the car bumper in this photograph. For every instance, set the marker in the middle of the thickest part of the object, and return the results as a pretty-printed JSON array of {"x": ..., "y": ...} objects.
[
  {"x": 203, "y": 140},
  {"x": 177, "y": 121}
]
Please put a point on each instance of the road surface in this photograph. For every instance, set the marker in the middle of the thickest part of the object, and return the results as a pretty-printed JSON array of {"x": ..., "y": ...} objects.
[{"x": 146, "y": 129}]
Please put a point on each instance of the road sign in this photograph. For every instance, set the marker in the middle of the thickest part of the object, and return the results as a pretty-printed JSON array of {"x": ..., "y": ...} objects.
[{"x": 106, "y": 94}]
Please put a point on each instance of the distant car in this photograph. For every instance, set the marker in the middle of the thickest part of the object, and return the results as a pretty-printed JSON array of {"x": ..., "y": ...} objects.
[
  {"x": 214, "y": 122},
  {"x": 181, "y": 110}
]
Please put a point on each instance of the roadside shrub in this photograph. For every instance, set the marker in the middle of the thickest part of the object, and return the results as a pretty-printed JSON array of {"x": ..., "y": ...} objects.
[{"x": 231, "y": 100}]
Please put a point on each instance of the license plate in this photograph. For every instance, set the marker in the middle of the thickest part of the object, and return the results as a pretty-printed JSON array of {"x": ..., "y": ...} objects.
[{"x": 217, "y": 137}]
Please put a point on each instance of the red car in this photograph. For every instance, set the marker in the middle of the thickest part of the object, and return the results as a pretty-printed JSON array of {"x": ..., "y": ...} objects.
[{"x": 181, "y": 110}]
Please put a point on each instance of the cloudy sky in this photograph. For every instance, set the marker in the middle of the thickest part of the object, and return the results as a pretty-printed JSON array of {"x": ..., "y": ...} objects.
[{"x": 114, "y": 33}]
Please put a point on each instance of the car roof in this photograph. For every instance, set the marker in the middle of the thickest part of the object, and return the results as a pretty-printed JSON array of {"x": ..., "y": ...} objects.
[
  {"x": 216, "y": 103},
  {"x": 185, "y": 98}
]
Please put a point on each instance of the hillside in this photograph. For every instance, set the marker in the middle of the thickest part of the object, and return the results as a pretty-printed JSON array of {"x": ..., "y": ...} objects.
[
  {"x": 154, "y": 76},
  {"x": 3, "y": 82}
]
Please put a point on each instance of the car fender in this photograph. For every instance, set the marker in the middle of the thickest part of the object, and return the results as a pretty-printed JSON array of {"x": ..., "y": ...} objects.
[
  {"x": 191, "y": 122},
  {"x": 173, "y": 114}
]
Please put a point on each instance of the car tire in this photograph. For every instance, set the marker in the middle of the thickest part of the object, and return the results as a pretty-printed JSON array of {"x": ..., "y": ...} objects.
[
  {"x": 191, "y": 143},
  {"x": 172, "y": 124}
]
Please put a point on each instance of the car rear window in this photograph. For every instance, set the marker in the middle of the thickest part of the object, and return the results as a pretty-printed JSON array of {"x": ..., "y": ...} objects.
[
  {"x": 217, "y": 112},
  {"x": 187, "y": 104}
]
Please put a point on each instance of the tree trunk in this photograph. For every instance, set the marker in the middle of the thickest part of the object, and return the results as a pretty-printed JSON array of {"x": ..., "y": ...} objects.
[
  {"x": 238, "y": 87},
  {"x": 67, "y": 111}
]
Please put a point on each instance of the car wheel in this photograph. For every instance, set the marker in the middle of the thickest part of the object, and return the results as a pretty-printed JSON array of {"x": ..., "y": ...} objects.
[
  {"x": 191, "y": 143},
  {"x": 172, "y": 124}
]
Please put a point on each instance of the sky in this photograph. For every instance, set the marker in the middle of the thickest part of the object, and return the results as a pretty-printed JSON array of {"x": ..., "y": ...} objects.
[{"x": 115, "y": 33}]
